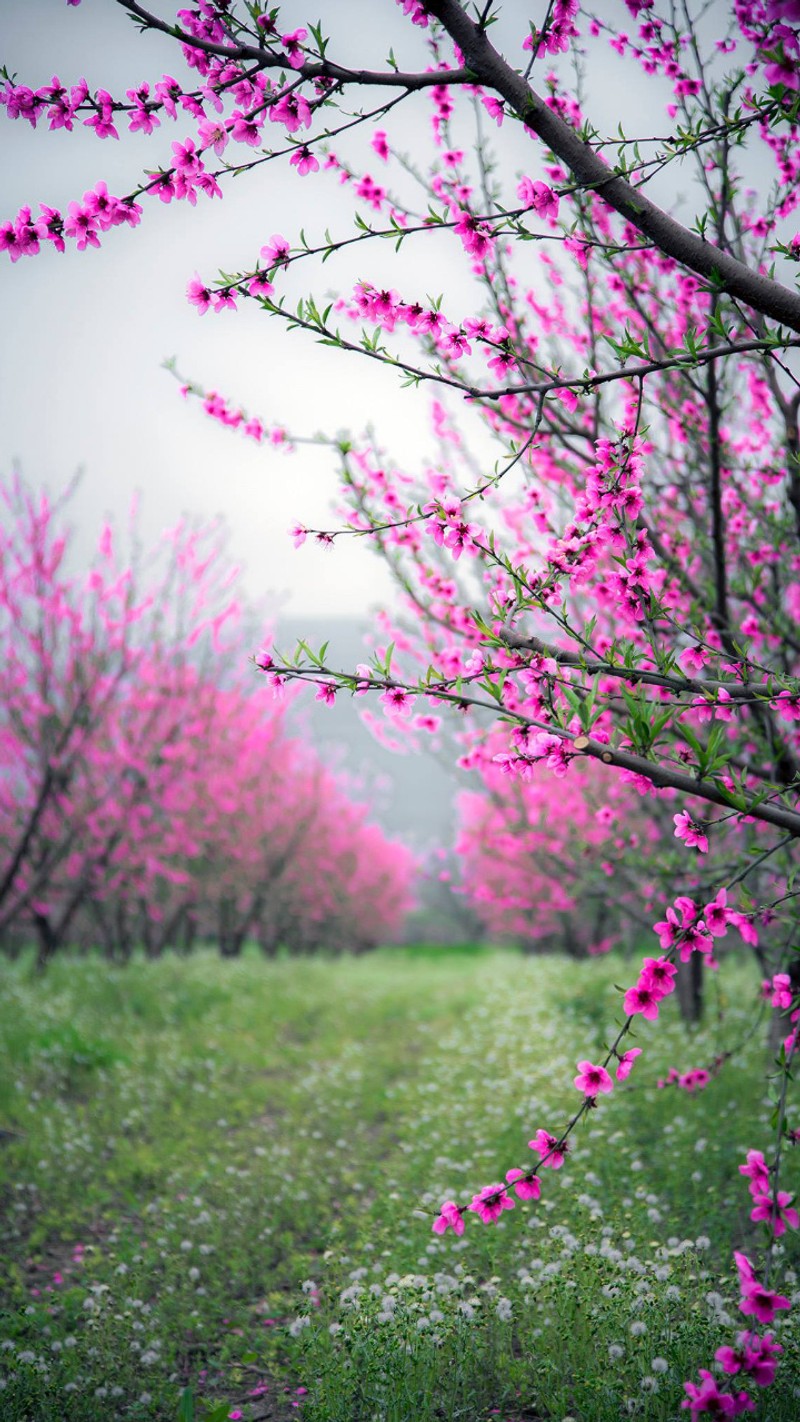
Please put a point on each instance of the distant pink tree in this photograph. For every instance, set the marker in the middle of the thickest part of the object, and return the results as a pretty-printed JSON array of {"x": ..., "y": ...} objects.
[
  {"x": 546, "y": 877},
  {"x": 140, "y": 799}
]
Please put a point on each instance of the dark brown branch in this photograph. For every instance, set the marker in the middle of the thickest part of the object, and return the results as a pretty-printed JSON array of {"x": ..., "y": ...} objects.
[
  {"x": 319, "y": 69},
  {"x": 721, "y": 270},
  {"x": 680, "y": 684}
]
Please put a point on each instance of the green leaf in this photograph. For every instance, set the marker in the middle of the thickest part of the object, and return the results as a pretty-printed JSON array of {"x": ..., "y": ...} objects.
[{"x": 186, "y": 1412}]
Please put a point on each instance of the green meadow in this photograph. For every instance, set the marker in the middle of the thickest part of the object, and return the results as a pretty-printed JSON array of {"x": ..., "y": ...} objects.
[{"x": 219, "y": 1178}]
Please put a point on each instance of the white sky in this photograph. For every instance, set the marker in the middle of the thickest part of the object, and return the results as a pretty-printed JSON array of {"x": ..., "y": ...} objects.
[{"x": 85, "y": 333}]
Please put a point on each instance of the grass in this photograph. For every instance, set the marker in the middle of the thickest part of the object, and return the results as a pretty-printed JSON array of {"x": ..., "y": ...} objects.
[{"x": 218, "y": 1180}]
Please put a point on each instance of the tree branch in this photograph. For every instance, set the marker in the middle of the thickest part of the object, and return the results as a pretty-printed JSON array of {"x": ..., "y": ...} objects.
[{"x": 721, "y": 270}]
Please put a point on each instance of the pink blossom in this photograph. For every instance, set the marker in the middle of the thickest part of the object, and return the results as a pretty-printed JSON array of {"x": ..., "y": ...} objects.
[
  {"x": 292, "y": 44},
  {"x": 397, "y": 701},
  {"x": 490, "y": 1202},
  {"x": 476, "y": 237},
  {"x": 276, "y": 252},
  {"x": 528, "y": 1186},
  {"x": 304, "y": 161},
  {"x": 658, "y": 974},
  {"x": 642, "y": 998},
  {"x": 756, "y": 1298},
  {"x": 246, "y": 128},
  {"x": 20, "y": 102},
  {"x": 692, "y": 660},
  {"x": 198, "y": 294},
  {"x": 757, "y": 1171},
  {"x": 592, "y": 1079},
  {"x": 50, "y": 226},
  {"x": 539, "y": 196},
  {"x": 102, "y": 121},
  {"x": 224, "y": 299},
  {"x": 166, "y": 91},
  {"x": 450, "y": 1217},
  {"x": 778, "y": 1213},
  {"x": 753, "y": 1355},
  {"x": 494, "y": 108},
  {"x": 781, "y": 989},
  {"x": 782, "y": 58},
  {"x": 187, "y": 160},
  {"x": 707, "y": 1398},
  {"x": 380, "y": 145},
  {"x": 293, "y": 111},
  {"x": 81, "y": 225},
  {"x": 103, "y": 206},
  {"x": 626, "y": 1061},
  {"x": 690, "y": 833},
  {"x": 745, "y": 925},
  {"x": 694, "y": 1080},
  {"x": 258, "y": 285},
  {"x": 142, "y": 118},
  {"x": 213, "y": 134},
  {"x": 550, "y": 1148},
  {"x": 716, "y": 915}
]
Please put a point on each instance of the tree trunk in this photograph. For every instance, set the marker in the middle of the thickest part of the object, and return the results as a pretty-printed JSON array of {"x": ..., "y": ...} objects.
[
  {"x": 689, "y": 984},
  {"x": 49, "y": 939}
]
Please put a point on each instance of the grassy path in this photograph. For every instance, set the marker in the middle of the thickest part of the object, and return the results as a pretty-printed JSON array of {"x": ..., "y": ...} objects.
[{"x": 214, "y": 1177}]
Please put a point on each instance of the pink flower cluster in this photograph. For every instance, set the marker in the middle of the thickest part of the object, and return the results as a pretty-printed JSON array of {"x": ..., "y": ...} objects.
[
  {"x": 656, "y": 981},
  {"x": 772, "y": 1209},
  {"x": 694, "y": 929},
  {"x": 693, "y": 1080},
  {"x": 753, "y": 1355},
  {"x": 555, "y": 38},
  {"x": 778, "y": 990},
  {"x": 98, "y": 212}
]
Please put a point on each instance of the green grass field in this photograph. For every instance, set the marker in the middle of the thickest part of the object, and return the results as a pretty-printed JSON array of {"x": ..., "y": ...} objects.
[{"x": 218, "y": 1181}]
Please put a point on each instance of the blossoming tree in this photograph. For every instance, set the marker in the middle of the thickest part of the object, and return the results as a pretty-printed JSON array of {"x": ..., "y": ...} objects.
[
  {"x": 140, "y": 799},
  {"x": 599, "y": 563}
]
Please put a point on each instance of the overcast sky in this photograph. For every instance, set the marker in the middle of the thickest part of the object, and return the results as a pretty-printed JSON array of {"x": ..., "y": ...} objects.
[{"x": 84, "y": 334}]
